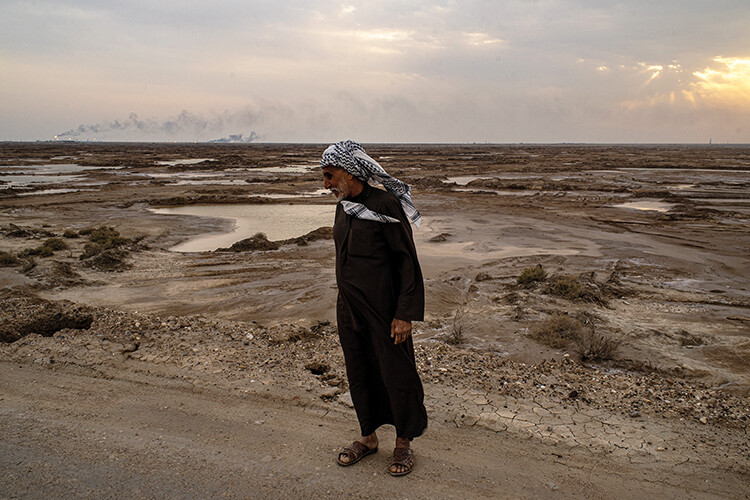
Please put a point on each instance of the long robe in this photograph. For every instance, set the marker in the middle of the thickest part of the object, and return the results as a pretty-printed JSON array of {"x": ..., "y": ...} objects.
[{"x": 379, "y": 279}]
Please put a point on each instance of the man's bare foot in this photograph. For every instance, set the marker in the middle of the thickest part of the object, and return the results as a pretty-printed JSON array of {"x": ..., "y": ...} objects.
[
  {"x": 403, "y": 458},
  {"x": 352, "y": 454}
]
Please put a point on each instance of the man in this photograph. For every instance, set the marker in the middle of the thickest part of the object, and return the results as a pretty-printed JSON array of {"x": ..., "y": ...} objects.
[{"x": 380, "y": 293}]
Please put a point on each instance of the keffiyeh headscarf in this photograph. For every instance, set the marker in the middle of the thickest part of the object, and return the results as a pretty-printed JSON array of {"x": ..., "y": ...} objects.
[{"x": 351, "y": 156}]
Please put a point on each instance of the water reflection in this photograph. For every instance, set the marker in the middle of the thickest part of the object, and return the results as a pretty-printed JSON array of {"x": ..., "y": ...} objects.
[
  {"x": 278, "y": 222},
  {"x": 651, "y": 205}
]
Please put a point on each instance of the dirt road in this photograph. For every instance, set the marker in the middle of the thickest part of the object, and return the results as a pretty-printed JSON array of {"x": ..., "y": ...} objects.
[{"x": 65, "y": 435}]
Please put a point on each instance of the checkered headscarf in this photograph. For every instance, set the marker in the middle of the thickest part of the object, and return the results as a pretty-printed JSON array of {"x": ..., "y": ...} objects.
[{"x": 351, "y": 156}]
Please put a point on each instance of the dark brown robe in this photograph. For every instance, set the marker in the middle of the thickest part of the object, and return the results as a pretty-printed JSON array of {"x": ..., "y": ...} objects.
[{"x": 379, "y": 279}]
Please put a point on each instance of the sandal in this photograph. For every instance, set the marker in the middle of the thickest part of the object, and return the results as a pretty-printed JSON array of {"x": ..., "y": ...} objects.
[
  {"x": 402, "y": 456},
  {"x": 356, "y": 452}
]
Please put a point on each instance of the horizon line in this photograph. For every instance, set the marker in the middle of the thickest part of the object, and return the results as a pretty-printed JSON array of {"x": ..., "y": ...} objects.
[{"x": 473, "y": 143}]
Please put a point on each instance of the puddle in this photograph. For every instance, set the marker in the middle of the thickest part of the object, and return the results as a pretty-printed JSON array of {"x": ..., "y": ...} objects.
[
  {"x": 211, "y": 182},
  {"x": 307, "y": 194},
  {"x": 181, "y": 175},
  {"x": 278, "y": 222},
  {"x": 196, "y": 179},
  {"x": 467, "y": 250},
  {"x": 55, "y": 191},
  {"x": 713, "y": 170},
  {"x": 463, "y": 180},
  {"x": 520, "y": 192},
  {"x": 291, "y": 169},
  {"x": 191, "y": 161},
  {"x": 26, "y": 180},
  {"x": 655, "y": 206},
  {"x": 59, "y": 168}
]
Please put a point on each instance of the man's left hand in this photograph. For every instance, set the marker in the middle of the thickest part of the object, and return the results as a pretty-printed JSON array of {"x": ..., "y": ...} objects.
[{"x": 400, "y": 330}]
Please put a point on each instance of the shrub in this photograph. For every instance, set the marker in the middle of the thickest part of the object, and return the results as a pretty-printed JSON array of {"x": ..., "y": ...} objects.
[
  {"x": 101, "y": 239},
  {"x": 593, "y": 346},
  {"x": 7, "y": 259},
  {"x": 575, "y": 288},
  {"x": 55, "y": 244},
  {"x": 557, "y": 331},
  {"x": 107, "y": 236},
  {"x": 46, "y": 249},
  {"x": 560, "y": 330},
  {"x": 41, "y": 251},
  {"x": 531, "y": 275},
  {"x": 69, "y": 233}
]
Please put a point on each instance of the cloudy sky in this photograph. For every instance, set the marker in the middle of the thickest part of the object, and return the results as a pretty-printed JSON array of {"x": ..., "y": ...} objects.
[{"x": 376, "y": 71}]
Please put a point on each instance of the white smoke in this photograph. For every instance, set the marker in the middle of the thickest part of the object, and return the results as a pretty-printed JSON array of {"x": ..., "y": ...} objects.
[{"x": 186, "y": 126}]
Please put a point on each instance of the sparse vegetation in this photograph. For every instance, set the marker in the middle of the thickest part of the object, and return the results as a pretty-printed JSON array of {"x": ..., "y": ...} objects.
[
  {"x": 580, "y": 288},
  {"x": 456, "y": 333},
  {"x": 101, "y": 239},
  {"x": 531, "y": 276},
  {"x": 594, "y": 346},
  {"x": 46, "y": 249},
  {"x": 7, "y": 259},
  {"x": 40, "y": 251},
  {"x": 557, "y": 331},
  {"x": 55, "y": 244},
  {"x": 259, "y": 241},
  {"x": 561, "y": 330}
]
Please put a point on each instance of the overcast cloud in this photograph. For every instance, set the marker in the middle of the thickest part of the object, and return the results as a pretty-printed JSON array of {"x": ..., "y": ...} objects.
[{"x": 385, "y": 71}]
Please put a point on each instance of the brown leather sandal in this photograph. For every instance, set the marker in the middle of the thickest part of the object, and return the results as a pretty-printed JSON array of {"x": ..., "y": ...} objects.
[
  {"x": 402, "y": 456},
  {"x": 356, "y": 452}
]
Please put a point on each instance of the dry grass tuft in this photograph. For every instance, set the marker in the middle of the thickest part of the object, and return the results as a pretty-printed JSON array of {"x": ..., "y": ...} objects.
[
  {"x": 561, "y": 330},
  {"x": 531, "y": 276},
  {"x": 101, "y": 239},
  {"x": 577, "y": 288},
  {"x": 557, "y": 331},
  {"x": 594, "y": 346},
  {"x": 7, "y": 259}
]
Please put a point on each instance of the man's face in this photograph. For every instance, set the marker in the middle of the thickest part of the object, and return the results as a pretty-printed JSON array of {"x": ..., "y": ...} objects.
[{"x": 338, "y": 181}]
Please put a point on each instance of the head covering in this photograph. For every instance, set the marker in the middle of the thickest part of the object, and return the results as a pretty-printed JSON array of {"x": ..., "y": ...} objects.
[{"x": 351, "y": 156}]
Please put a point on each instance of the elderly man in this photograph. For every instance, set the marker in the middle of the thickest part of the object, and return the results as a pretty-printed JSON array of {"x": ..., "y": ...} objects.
[{"x": 380, "y": 293}]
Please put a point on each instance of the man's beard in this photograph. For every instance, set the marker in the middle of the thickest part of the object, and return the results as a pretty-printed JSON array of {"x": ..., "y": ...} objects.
[{"x": 341, "y": 192}]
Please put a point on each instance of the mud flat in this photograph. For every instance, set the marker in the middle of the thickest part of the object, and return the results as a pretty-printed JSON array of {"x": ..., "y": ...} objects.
[{"x": 592, "y": 300}]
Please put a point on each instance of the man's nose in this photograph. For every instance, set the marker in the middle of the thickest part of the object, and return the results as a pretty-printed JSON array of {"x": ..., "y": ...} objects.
[{"x": 326, "y": 183}]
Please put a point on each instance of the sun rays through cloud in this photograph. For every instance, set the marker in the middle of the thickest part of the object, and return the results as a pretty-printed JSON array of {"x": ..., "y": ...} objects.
[{"x": 430, "y": 71}]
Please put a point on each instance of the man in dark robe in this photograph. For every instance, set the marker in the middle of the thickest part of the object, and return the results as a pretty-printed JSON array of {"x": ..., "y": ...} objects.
[{"x": 381, "y": 292}]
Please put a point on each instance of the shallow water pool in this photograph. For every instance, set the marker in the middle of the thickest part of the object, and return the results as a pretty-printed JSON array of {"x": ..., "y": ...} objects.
[
  {"x": 278, "y": 222},
  {"x": 650, "y": 205}
]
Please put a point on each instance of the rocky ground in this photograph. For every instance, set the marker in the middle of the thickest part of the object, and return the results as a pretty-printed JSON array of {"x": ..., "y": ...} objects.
[{"x": 596, "y": 346}]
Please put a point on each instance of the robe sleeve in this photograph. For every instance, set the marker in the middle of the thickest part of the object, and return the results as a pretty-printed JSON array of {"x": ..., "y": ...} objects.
[{"x": 408, "y": 274}]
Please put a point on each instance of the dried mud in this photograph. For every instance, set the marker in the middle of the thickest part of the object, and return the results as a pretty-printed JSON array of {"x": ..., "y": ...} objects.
[{"x": 670, "y": 288}]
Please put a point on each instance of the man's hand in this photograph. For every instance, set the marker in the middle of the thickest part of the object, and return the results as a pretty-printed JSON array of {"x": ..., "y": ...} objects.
[{"x": 400, "y": 330}]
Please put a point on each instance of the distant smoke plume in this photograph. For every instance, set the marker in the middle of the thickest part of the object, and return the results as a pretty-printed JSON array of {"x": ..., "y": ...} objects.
[
  {"x": 238, "y": 138},
  {"x": 186, "y": 126}
]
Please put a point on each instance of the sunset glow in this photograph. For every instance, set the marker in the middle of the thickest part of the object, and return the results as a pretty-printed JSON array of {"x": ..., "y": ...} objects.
[
  {"x": 727, "y": 82},
  {"x": 423, "y": 71}
]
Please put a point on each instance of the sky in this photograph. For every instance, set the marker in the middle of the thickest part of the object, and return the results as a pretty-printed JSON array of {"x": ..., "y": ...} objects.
[{"x": 533, "y": 71}]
